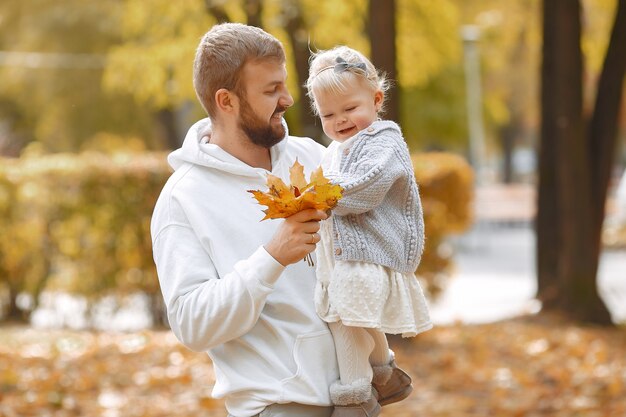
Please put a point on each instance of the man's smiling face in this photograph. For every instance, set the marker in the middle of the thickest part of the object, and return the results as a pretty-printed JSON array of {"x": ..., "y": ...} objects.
[{"x": 264, "y": 102}]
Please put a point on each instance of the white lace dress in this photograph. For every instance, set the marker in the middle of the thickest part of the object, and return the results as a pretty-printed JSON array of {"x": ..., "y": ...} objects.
[{"x": 363, "y": 294}]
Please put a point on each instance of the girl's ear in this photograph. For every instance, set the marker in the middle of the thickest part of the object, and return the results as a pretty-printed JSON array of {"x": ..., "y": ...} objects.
[
  {"x": 379, "y": 97},
  {"x": 225, "y": 100}
]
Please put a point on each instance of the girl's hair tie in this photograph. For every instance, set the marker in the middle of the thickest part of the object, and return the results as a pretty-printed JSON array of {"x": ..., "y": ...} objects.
[{"x": 342, "y": 66}]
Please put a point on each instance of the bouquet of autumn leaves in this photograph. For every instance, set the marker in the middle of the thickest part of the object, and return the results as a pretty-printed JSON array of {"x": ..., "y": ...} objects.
[{"x": 284, "y": 200}]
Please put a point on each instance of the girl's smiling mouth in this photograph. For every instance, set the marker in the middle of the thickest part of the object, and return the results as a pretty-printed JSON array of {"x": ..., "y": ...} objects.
[{"x": 346, "y": 131}]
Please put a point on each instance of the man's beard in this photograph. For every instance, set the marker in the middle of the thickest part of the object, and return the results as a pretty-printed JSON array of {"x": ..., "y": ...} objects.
[{"x": 259, "y": 132}]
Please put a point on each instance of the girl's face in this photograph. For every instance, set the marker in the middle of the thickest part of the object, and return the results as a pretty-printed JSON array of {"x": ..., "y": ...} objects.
[{"x": 344, "y": 114}]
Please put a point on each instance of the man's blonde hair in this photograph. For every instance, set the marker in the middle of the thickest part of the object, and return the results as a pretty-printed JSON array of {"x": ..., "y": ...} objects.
[
  {"x": 333, "y": 69},
  {"x": 221, "y": 55}
]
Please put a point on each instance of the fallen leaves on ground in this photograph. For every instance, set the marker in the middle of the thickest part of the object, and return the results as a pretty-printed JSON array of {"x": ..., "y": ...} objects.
[
  {"x": 531, "y": 367},
  {"x": 534, "y": 366},
  {"x": 284, "y": 200},
  {"x": 71, "y": 373}
]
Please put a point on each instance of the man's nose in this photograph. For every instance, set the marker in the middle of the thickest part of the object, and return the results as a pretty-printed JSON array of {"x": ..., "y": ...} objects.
[{"x": 286, "y": 100}]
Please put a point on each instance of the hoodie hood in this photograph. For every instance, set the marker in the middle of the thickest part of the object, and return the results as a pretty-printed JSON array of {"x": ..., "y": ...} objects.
[{"x": 198, "y": 151}]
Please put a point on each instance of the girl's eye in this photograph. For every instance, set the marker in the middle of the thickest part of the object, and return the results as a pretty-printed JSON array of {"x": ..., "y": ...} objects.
[
  {"x": 326, "y": 116},
  {"x": 350, "y": 108}
]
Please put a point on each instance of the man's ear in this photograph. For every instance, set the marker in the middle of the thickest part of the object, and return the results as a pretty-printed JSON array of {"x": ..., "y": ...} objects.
[
  {"x": 379, "y": 98},
  {"x": 226, "y": 100}
]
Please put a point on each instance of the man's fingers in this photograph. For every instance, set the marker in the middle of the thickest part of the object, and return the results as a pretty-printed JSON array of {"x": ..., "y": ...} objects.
[
  {"x": 310, "y": 227},
  {"x": 296, "y": 237},
  {"x": 312, "y": 238},
  {"x": 308, "y": 215}
]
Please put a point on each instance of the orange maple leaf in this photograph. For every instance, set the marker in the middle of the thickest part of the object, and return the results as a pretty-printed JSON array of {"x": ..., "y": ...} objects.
[{"x": 284, "y": 200}]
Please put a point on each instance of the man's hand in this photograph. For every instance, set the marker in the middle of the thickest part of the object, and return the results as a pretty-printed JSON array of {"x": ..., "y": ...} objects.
[{"x": 296, "y": 237}]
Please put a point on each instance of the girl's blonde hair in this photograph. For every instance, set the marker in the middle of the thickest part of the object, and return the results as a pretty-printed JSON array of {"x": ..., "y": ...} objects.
[{"x": 332, "y": 70}]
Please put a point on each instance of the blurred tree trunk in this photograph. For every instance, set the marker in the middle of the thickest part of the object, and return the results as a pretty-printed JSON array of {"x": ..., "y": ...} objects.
[
  {"x": 254, "y": 11},
  {"x": 13, "y": 312},
  {"x": 574, "y": 162},
  {"x": 516, "y": 103},
  {"x": 158, "y": 311},
  {"x": 382, "y": 34},
  {"x": 166, "y": 121},
  {"x": 508, "y": 136},
  {"x": 217, "y": 11},
  {"x": 297, "y": 30}
]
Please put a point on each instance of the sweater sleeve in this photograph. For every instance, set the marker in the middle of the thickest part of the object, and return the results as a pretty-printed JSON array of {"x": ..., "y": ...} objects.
[
  {"x": 205, "y": 310},
  {"x": 368, "y": 178}
]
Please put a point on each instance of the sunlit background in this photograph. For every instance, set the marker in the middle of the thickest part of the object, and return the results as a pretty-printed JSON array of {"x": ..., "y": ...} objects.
[{"x": 93, "y": 94}]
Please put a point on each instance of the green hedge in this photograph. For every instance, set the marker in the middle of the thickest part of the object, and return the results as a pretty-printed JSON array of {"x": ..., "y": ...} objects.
[{"x": 81, "y": 223}]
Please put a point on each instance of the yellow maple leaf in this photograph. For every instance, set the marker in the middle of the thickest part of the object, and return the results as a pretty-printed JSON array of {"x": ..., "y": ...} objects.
[
  {"x": 284, "y": 200},
  {"x": 296, "y": 176}
]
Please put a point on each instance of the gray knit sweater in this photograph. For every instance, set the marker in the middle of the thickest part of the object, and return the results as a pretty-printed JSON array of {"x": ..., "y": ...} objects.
[{"x": 379, "y": 218}]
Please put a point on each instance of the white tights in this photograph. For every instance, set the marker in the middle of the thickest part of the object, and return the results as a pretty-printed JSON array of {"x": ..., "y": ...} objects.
[{"x": 358, "y": 349}]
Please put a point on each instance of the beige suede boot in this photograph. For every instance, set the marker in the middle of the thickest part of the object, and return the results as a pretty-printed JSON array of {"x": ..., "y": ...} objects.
[{"x": 391, "y": 383}]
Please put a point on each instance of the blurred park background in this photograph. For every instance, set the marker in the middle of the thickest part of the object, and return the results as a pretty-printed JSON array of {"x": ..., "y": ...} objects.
[{"x": 513, "y": 111}]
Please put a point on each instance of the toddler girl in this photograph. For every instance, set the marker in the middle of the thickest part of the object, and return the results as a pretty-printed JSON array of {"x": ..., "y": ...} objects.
[{"x": 373, "y": 242}]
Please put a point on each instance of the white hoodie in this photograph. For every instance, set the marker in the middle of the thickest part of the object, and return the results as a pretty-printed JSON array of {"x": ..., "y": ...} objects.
[{"x": 224, "y": 293}]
